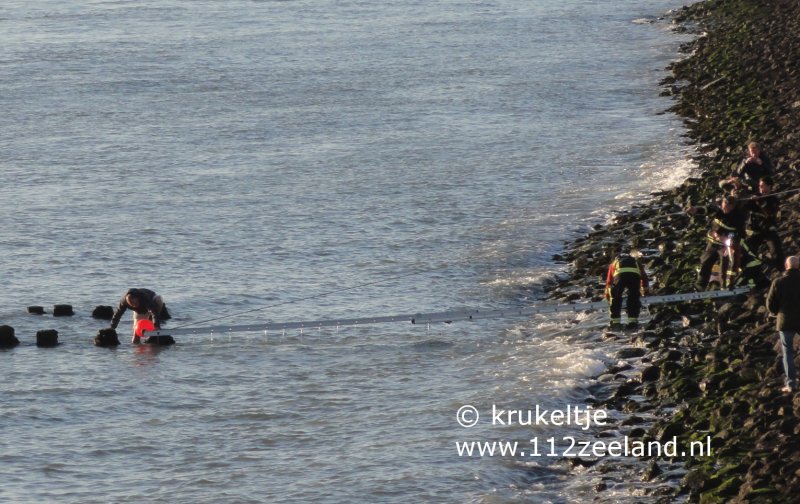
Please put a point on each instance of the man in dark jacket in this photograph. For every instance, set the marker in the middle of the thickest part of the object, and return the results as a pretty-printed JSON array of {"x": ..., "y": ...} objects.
[
  {"x": 753, "y": 167},
  {"x": 783, "y": 300},
  {"x": 145, "y": 304},
  {"x": 764, "y": 221}
]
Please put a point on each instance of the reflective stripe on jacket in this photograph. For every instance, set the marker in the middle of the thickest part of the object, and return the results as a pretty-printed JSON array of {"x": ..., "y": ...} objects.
[{"x": 625, "y": 264}]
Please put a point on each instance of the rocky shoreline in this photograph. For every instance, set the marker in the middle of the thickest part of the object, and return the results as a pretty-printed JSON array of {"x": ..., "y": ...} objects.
[{"x": 710, "y": 370}]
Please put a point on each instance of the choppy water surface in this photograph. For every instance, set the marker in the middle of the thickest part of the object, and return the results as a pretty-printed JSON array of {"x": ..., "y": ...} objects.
[{"x": 243, "y": 154}]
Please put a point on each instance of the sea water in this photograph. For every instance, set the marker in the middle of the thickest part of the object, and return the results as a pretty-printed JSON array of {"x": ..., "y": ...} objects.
[{"x": 270, "y": 161}]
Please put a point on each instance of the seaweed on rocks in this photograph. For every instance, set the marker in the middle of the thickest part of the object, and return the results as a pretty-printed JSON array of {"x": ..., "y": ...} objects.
[{"x": 711, "y": 370}]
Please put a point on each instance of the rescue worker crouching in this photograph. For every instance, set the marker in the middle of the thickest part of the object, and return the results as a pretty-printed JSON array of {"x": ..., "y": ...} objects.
[
  {"x": 727, "y": 228},
  {"x": 625, "y": 273},
  {"x": 146, "y": 305}
]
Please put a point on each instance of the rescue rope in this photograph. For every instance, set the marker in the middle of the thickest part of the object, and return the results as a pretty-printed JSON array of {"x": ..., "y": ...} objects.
[
  {"x": 394, "y": 318},
  {"x": 446, "y": 317},
  {"x": 772, "y": 194},
  {"x": 313, "y": 296}
]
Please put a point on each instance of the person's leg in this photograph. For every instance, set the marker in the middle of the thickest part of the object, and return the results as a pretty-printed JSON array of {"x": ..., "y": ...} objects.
[
  {"x": 707, "y": 260},
  {"x": 633, "y": 303},
  {"x": 725, "y": 270},
  {"x": 775, "y": 248},
  {"x": 158, "y": 301},
  {"x": 787, "y": 347},
  {"x": 136, "y": 318},
  {"x": 615, "y": 306}
]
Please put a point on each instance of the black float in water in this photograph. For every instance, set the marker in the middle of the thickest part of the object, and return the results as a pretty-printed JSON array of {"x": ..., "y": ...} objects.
[
  {"x": 7, "y": 337},
  {"x": 160, "y": 340},
  {"x": 47, "y": 338},
  {"x": 106, "y": 337},
  {"x": 103, "y": 312},
  {"x": 36, "y": 310},
  {"x": 62, "y": 310}
]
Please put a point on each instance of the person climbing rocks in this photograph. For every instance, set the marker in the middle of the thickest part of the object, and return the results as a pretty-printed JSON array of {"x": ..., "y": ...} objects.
[
  {"x": 727, "y": 229},
  {"x": 625, "y": 274},
  {"x": 755, "y": 165},
  {"x": 145, "y": 304},
  {"x": 783, "y": 300},
  {"x": 763, "y": 227}
]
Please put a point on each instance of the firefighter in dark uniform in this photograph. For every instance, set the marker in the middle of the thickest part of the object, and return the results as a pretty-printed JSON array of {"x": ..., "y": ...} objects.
[
  {"x": 764, "y": 222},
  {"x": 625, "y": 273},
  {"x": 727, "y": 228}
]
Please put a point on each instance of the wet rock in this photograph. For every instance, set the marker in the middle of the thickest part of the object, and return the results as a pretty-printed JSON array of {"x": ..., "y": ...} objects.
[
  {"x": 651, "y": 472},
  {"x": 695, "y": 480},
  {"x": 7, "y": 337},
  {"x": 632, "y": 420},
  {"x": 106, "y": 337},
  {"x": 580, "y": 462},
  {"x": 36, "y": 310},
  {"x": 626, "y": 389},
  {"x": 670, "y": 368},
  {"x": 62, "y": 310},
  {"x": 631, "y": 406},
  {"x": 580, "y": 262},
  {"x": 683, "y": 387},
  {"x": 637, "y": 433},
  {"x": 103, "y": 312},
  {"x": 47, "y": 338},
  {"x": 618, "y": 368},
  {"x": 673, "y": 355},
  {"x": 650, "y": 374},
  {"x": 665, "y": 333},
  {"x": 669, "y": 431},
  {"x": 629, "y": 353},
  {"x": 160, "y": 340}
]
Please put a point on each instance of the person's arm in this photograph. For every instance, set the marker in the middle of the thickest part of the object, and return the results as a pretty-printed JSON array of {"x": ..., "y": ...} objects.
[
  {"x": 123, "y": 306},
  {"x": 700, "y": 210},
  {"x": 739, "y": 172},
  {"x": 610, "y": 278},
  {"x": 767, "y": 164},
  {"x": 645, "y": 282},
  {"x": 773, "y": 302}
]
